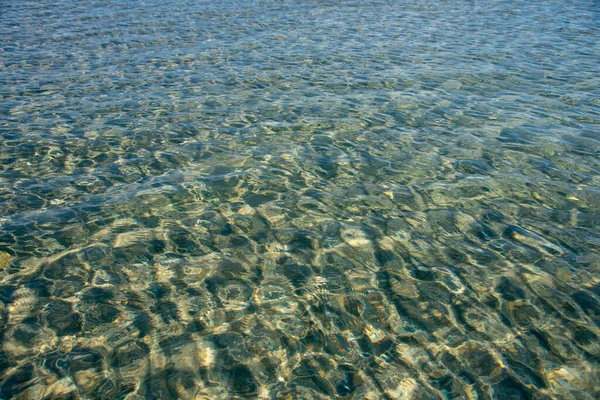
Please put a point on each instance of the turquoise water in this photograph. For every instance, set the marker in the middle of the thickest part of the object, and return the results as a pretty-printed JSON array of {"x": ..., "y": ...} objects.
[{"x": 300, "y": 199}]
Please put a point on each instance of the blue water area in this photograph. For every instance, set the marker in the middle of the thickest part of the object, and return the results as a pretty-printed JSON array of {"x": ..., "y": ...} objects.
[{"x": 300, "y": 199}]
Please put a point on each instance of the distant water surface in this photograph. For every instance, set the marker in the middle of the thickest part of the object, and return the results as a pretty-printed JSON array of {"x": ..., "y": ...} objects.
[{"x": 300, "y": 199}]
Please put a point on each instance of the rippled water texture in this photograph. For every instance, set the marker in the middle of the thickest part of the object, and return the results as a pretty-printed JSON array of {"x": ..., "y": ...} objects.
[{"x": 300, "y": 199}]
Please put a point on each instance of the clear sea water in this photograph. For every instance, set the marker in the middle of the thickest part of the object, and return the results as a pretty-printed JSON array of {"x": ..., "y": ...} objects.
[{"x": 300, "y": 199}]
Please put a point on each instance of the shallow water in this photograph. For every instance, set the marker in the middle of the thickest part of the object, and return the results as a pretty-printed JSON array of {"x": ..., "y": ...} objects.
[{"x": 300, "y": 199}]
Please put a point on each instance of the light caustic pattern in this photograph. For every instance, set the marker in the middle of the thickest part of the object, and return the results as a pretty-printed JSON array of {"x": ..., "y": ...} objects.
[{"x": 299, "y": 199}]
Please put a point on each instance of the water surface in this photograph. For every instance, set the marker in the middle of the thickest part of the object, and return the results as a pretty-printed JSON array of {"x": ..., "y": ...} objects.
[{"x": 300, "y": 199}]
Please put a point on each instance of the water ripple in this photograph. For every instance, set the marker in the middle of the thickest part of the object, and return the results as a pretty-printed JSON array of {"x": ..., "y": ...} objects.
[{"x": 311, "y": 199}]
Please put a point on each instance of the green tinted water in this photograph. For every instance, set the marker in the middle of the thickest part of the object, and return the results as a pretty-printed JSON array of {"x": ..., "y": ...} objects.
[{"x": 300, "y": 199}]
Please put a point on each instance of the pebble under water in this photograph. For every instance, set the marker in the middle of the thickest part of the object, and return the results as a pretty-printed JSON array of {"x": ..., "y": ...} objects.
[{"x": 300, "y": 199}]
